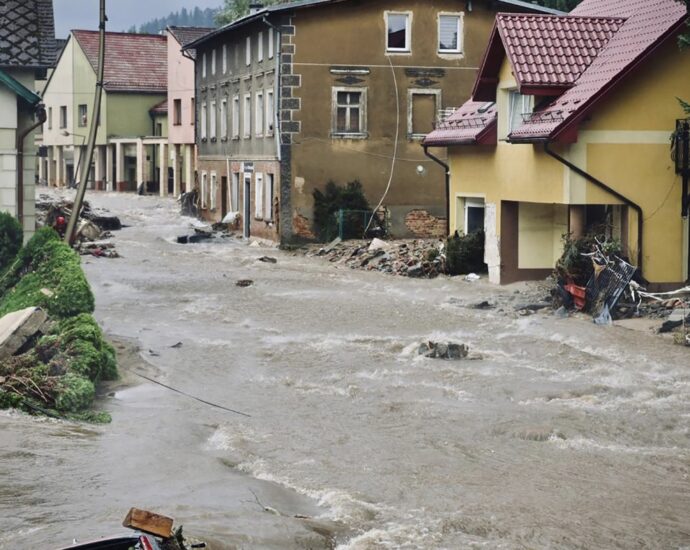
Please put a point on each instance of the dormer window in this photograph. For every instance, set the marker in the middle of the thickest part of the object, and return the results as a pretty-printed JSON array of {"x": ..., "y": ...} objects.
[
  {"x": 398, "y": 32},
  {"x": 518, "y": 105}
]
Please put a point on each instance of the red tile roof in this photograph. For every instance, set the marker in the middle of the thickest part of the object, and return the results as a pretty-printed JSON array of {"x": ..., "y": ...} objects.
[
  {"x": 134, "y": 62},
  {"x": 648, "y": 24},
  {"x": 472, "y": 123},
  {"x": 550, "y": 51},
  {"x": 588, "y": 52},
  {"x": 160, "y": 108}
]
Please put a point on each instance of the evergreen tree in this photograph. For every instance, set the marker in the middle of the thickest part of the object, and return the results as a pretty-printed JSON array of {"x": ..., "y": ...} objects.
[{"x": 234, "y": 9}]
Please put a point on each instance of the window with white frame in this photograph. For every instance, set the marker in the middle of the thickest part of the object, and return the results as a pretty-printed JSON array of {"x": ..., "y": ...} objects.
[
  {"x": 450, "y": 33},
  {"x": 213, "y": 61},
  {"x": 203, "y": 65},
  {"x": 212, "y": 129},
  {"x": 398, "y": 31},
  {"x": 224, "y": 119},
  {"x": 269, "y": 113},
  {"x": 236, "y": 117},
  {"x": 268, "y": 198},
  {"x": 248, "y": 50},
  {"x": 259, "y": 195},
  {"x": 204, "y": 121},
  {"x": 225, "y": 58},
  {"x": 50, "y": 118},
  {"x": 213, "y": 191},
  {"x": 259, "y": 114},
  {"x": 270, "y": 44},
  {"x": 260, "y": 47},
  {"x": 349, "y": 112},
  {"x": 518, "y": 105},
  {"x": 204, "y": 190},
  {"x": 247, "y": 118}
]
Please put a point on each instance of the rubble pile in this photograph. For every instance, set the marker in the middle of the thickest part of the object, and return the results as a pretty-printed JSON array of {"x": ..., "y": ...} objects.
[
  {"x": 93, "y": 230},
  {"x": 422, "y": 258}
]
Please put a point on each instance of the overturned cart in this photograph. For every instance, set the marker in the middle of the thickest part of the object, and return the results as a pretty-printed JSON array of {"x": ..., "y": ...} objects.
[{"x": 150, "y": 532}]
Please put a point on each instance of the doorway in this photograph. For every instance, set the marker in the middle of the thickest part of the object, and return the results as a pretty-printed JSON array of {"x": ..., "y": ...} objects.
[
  {"x": 247, "y": 197},
  {"x": 223, "y": 197}
]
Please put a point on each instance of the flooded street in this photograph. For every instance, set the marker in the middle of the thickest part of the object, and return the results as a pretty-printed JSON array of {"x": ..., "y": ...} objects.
[{"x": 563, "y": 435}]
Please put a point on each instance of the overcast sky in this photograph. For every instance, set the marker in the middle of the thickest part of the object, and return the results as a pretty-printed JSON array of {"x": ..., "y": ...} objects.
[{"x": 122, "y": 14}]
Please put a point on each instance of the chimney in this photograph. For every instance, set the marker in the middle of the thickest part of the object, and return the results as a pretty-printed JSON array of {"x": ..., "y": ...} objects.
[{"x": 255, "y": 7}]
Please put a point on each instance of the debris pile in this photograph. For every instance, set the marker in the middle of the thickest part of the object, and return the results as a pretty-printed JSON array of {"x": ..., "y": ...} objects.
[
  {"x": 93, "y": 230},
  {"x": 436, "y": 350},
  {"x": 408, "y": 258}
]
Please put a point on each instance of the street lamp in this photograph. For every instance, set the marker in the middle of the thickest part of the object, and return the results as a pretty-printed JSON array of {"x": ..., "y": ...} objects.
[{"x": 65, "y": 133}]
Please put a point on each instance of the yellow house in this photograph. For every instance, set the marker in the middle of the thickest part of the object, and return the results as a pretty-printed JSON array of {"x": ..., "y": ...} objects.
[{"x": 569, "y": 129}]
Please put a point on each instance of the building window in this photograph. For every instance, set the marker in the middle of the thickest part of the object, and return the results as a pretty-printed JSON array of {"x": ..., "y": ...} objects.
[
  {"x": 213, "y": 191},
  {"x": 204, "y": 190},
  {"x": 203, "y": 65},
  {"x": 260, "y": 47},
  {"x": 268, "y": 198},
  {"x": 398, "y": 32},
  {"x": 212, "y": 129},
  {"x": 269, "y": 113},
  {"x": 177, "y": 112},
  {"x": 450, "y": 33},
  {"x": 50, "y": 118},
  {"x": 518, "y": 105},
  {"x": 225, "y": 58},
  {"x": 213, "y": 61},
  {"x": 259, "y": 195},
  {"x": 248, "y": 51},
  {"x": 224, "y": 119},
  {"x": 63, "y": 116},
  {"x": 236, "y": 117},
  {"x": 204, "y": 124},
  {"x": 349, "y": 112},
  {"x": 247, "y": 119},
  {"x": 422, "y": 106},
  {"x": 259, "y": 116},
  {"x": 192, "y": 112},
  {"x": 235, "y": 192},
  {"x": 83, "y": 117},
  {"x": 270, "y": 44}
]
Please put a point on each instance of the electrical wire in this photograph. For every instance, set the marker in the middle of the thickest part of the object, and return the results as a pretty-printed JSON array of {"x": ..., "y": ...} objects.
[{"x": 395, "y": 147}]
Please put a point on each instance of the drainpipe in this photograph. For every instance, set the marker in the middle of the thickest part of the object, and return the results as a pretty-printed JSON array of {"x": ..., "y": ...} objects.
[
  {"x": 602, "y": 185},
  {"x": 40, "y": 112},
  {"x": 447, "y": 170},
  {"x": 278, "y": 52}
]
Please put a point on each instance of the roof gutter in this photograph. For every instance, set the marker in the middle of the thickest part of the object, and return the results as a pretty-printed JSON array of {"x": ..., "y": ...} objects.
[
  {"x": 602, "y": 185},
  {"x": 40, "y": 112},
  {"x": 447, "y": 170}
]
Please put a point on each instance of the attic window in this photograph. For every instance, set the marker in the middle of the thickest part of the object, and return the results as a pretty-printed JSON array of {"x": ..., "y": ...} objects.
[{"x": 518, "y": 106}]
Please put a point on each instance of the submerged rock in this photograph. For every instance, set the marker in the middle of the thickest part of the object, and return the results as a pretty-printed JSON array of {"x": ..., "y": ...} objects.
[{"x": 436, "y": 350}]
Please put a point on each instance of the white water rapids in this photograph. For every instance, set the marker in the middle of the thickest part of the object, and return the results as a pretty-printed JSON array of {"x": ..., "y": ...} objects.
[{"x": 564, "y": 434}]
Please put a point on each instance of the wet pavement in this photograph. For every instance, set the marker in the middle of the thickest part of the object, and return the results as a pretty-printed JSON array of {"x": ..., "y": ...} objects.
[{"x": 563, "y": 434}]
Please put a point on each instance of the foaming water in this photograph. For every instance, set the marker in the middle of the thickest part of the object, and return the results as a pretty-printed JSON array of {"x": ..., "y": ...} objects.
[{"x": 558, "y": 434}]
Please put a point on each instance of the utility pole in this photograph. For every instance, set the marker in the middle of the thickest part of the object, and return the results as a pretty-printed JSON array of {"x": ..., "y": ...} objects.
[{"x": 95, "y": 118}]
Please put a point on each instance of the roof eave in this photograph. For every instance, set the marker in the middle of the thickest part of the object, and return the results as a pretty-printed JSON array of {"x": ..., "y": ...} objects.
[{"x": 19, "y": 89}]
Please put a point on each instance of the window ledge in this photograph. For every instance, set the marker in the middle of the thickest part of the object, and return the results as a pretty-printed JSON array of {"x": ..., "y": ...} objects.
[
  {"x": 450, "y": 52},
  {"x": 224, "y": 139},
  {"x": 177, "y": 124},
  {"x": 235, "y": 138},
  {"x": 259, "y": 135},
  {"x": 342, "y": 135},
  {"x": 416, "y": 137},
  {"x": 213, "y": 140},
  {"x": 398, "y": 52}
]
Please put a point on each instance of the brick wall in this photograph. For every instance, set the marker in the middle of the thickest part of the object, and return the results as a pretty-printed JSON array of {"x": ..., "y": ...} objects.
[{"x": 424, "y": 225}]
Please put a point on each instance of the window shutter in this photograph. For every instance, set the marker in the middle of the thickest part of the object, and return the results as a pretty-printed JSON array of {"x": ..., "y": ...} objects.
[{"x": 259, "y": 199}]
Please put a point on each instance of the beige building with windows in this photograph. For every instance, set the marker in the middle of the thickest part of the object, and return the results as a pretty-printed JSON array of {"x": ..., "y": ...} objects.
[{"x": 283, "y": 110}]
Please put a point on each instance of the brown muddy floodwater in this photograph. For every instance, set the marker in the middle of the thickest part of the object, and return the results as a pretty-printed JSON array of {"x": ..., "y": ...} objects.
[{"x": 564, "y": 435}]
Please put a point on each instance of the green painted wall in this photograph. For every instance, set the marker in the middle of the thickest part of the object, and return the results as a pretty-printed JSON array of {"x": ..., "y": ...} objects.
[{"x": 128, "y": 114}]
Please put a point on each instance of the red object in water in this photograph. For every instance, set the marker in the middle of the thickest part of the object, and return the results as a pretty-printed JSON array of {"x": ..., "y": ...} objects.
[{"x": 579, "y": 294}]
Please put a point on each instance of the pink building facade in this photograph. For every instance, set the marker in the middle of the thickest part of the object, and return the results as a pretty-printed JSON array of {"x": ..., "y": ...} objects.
[{"x": 181, "y": 109}]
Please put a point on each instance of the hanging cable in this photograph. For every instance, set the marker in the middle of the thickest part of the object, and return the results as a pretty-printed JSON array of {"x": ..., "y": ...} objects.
[{"x": 395, "y": 147}]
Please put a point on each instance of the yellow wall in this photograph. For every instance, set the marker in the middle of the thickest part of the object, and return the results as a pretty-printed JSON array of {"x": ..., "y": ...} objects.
[{"x": 624, "y": 143}]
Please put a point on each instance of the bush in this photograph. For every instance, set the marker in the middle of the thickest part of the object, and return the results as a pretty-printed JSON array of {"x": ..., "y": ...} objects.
[
  {"x": 465, "y": 253},
  {"x": 327, "y": 204},
  {"x": 572, "y": 266},
  {"x": 47, "y": 274},
  {"x": 11, "y": 236}
]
